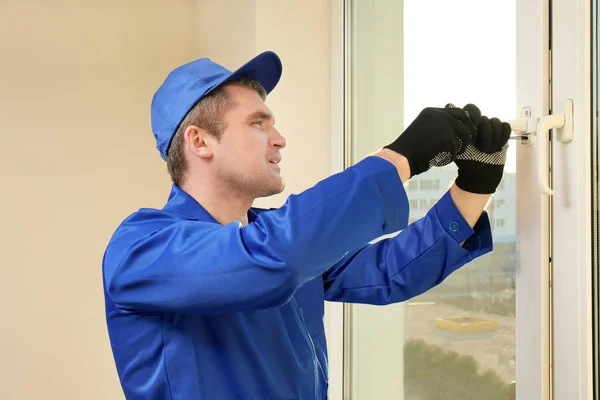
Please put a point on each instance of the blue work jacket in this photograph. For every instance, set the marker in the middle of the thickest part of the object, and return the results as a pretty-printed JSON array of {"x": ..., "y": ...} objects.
[{"x": 200, "y": 310}]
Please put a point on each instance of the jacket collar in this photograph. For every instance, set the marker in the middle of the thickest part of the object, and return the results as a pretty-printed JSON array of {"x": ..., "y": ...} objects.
[{"x": 181, "y": 203}]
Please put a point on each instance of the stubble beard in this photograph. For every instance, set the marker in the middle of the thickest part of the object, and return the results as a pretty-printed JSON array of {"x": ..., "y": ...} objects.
[{"x": 255, "y": 187}]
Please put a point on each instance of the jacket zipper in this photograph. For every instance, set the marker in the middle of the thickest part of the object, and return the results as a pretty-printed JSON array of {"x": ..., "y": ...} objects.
[{"x": 311, "y": 343}]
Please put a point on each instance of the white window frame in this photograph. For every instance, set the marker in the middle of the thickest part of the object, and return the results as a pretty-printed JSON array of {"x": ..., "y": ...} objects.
[
  {"x": 565, "y": 287},
  {"x": 571, "y": 348},
  {"x": 572, "y": 215},
  {"x": 533, "y": 210}
]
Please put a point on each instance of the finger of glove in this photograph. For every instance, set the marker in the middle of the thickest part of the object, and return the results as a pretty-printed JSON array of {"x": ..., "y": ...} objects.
[
  {"x": 496, "y": 134},
  {"x": 473, "y": 112},
  {"x": 460, "y": 115},
  {"x": 485, "y": 139},
  {"x": 465, "y": 137},
  {"x": 453, "y": 110}
]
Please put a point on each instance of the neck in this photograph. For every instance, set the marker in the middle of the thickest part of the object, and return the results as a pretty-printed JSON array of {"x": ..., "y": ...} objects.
[{"x": 224, "y": 204}]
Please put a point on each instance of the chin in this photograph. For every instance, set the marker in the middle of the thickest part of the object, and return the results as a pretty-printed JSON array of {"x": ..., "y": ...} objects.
[
  {"x": 273, "y": 189},
  {"x": 282, "y": 186}
]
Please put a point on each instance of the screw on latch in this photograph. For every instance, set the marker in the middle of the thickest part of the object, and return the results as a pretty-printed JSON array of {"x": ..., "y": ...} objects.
[{"x": 525, "y": 139}]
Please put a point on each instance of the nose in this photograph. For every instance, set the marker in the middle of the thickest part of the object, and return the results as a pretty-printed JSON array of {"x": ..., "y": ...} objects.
[{"x": 277, "y": 140}]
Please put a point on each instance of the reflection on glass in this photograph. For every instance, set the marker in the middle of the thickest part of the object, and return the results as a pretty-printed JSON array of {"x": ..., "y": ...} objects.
[{"x": 457, "y": 341}]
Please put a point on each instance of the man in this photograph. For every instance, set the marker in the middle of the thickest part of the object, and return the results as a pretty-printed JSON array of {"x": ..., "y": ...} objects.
[{"x": 209, "y": 298}]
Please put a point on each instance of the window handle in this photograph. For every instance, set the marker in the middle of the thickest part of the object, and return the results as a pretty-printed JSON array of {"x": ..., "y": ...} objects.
[
  {"x": 524, "y": 126},
  {"x": 532, "y": 129}
]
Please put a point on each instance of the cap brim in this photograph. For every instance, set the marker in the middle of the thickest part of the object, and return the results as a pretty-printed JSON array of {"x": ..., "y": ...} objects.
[{"x": 266, "y": 68}]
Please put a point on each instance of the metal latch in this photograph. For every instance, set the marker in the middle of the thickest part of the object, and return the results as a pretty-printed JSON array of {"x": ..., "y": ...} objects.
[{"x": 529, "y": 127}]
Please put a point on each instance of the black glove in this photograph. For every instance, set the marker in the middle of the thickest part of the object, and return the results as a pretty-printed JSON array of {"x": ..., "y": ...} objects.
[
  {"x": 481, "y": 166},
  {"x": 435, "y": 138}
]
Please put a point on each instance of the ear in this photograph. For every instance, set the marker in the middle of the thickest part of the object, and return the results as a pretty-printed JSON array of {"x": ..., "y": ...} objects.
[{"x": 198, "y": 141}]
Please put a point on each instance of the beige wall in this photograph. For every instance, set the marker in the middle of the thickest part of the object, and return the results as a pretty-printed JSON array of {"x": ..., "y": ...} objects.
[
  {"x": 301, "y": 100},
  {"x": 77, "y": 155},
  {"x": 299, "y": 31}
]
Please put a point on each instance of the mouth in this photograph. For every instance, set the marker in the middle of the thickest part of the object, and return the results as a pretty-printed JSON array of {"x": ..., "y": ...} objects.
[{"x": 274, "y": 162}]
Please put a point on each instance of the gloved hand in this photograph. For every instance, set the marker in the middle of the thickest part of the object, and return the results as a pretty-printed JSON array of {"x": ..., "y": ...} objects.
[
  {"x": 435, "y": 138},
  {"x": 481, "y": 165}
]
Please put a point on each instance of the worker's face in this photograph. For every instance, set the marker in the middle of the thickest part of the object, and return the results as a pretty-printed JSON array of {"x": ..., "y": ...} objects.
[{"x": 247, "y": 156}]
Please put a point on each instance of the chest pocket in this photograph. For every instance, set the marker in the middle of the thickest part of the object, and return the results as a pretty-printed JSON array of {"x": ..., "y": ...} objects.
[{"x": 311, "y": 298}]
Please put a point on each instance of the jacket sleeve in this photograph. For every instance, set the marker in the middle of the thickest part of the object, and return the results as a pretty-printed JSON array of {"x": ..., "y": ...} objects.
[
  {"x": 417, "y": 259},
  {"x": 155, "y": 262}
]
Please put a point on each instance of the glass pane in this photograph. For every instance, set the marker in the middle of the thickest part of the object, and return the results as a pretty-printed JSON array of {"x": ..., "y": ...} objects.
[{"x": 457, "y": 341}]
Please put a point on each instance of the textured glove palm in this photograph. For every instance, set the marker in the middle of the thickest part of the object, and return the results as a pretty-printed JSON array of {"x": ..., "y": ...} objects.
[
  {"x": 481, "y": 165},
  {"x": 435, "y": 138}
]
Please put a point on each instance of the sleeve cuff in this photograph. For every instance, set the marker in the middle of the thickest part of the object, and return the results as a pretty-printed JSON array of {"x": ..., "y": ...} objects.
[
  {"x": 477, "y": 239},
  {"x": 452, "y": 220},
  {"x": 481, "y": 241}
]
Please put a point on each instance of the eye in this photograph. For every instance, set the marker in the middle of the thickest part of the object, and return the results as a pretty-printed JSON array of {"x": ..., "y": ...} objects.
[{"x": 259, "y": 123}]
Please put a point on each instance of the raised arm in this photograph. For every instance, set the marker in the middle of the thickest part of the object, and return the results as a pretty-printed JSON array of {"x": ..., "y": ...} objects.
[
  {"x": 159, "y": 262},
  {"x": 417, "y": 259},
  {"x": 422, "y": 256}
]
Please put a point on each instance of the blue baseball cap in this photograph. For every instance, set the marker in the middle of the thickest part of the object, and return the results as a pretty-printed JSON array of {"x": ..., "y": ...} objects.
[{"x": 191, "y": 82}]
